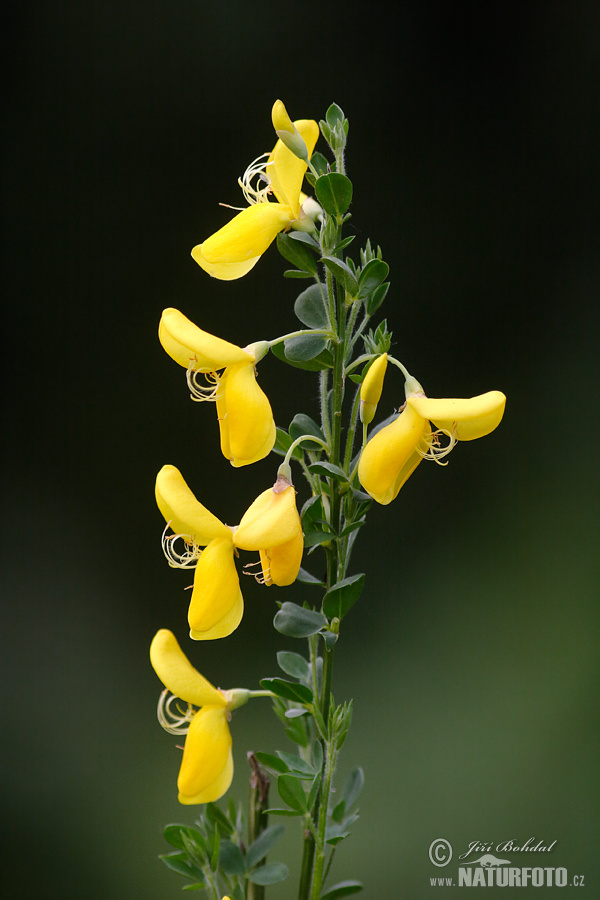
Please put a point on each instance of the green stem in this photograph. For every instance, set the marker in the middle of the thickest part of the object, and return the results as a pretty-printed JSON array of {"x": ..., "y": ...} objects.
[
  {"x": 320, "y": 849},
  {"x": 258, "y": 818}
]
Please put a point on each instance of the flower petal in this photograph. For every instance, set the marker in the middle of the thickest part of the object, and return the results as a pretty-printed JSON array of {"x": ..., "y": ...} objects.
[
  {"x": 247, "y": 235},
  {"x": 270, "y": 521},
  {"x": 183, "y": 512},
  {"x": 245, "y": 417},
  {"x": 185, "y": 343},
  {"x": 391, "y": 455},
  {"x": 286, "y": 172},
  {"x": 223, "y": 271},
  {"x": 206, "y": 768},
  {"x": 217, "y": 606},
  {"x": 466, "y": 419},
  {"x": 280, "y": 565},
  {"x": 177, "y": 673}
]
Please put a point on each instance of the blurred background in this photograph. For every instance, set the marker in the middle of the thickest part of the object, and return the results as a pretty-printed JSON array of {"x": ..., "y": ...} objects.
[{"x": 472, "y": 656}]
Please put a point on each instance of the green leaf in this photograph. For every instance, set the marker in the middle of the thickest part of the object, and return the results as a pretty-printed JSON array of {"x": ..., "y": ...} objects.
[
  {"x": 216, "y": 845},
  {"x": 297, "y": 253},
  {"x": 302, "y": 424},
  {"x": 297, "y": 765},
  {"x": 354, "y": 526},
  {"x": 314, "y": 789},
  {"x": 293, "y": 664},
  {"x": 329, "y": 470},
  {"x": 352, "y": 787},
  {"x": 310, "y": 307},
  {"x": 320, "y": 163},
  {"x": 343, "y": 244},
  {"x": 174, "y": 835},
  {"x": 343, "y": 273},
  {"x": 377, "y": 297},
  {"x": 330, "y": 638},
  {"x": 294, "y": 713},
  {"x": 176, "y": 862},
  {"x": 231, "y": 860},
  {"x": 312, "y": 511},
  {"x": 291, "y": 792},
  {"x": 304, "y": 238},
  {"x": 342, "y": 889},
  {"x": 296, "y": 273},
  {"x": 323, "y": 361},
  {"x": 304, "y": 347},
  {"x": 272, "y": 873},
  {"x": 334, "y": 193},
  {"x": 296, "y": 621},
  {"x": 334, "y": 115},
  {"x": 343, "y": 595},
  {"x": 193, "y": 887},
  {"x": 259, "y": 848},
  {"x": 336, "y": 833},
  {"x": 289, "y": 690},
  {"x": 283, "y": 812},
  {"x": 218, "y": 818},
  {"x": 306, "y": 578},
  {"x": 314, "y": 538},
  {"x": 372, "y": 276},
  {"x": 274, "y": 763}
]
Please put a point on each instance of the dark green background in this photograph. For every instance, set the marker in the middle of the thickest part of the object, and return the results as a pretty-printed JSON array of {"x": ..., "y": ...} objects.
[{"x": 472, "y": 656}]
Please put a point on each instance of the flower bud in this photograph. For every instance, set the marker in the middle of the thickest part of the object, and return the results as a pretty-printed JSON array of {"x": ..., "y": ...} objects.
[{"x": 370, "y": 391}]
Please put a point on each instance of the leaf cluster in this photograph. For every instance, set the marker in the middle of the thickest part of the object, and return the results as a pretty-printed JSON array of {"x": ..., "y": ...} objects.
[{"x": 215, "y": 847}]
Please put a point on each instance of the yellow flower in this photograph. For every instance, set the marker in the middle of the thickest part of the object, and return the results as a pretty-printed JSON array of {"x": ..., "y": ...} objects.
[
  {"x": 233, "y": 250},
  {"x": 216, "y": 606},
  {"x": 395, "y": 451},
  {"x": 207, "y": 765},
  {"x": 245, "y": 416},
  {"x": 271, "y": 526}
]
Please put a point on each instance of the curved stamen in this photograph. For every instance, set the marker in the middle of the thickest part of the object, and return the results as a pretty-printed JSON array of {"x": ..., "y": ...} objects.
[
  {"x": 256, "y": 171},
  {"x": 262, "y": 577},
  {"x": 184, "y": 560},
  {"x": 175, "y": 721},
  {"x": 435, "y": 450},
  {"x": 200, "y": 392}
]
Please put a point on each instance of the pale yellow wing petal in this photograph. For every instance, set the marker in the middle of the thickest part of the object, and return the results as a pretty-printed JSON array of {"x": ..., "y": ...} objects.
[
  {"x": 215, "y": 790},
  {"x": 216, "y": 606},
  {"x": 206, "y": 754},
  {"x": 281, "y": 564},
  {"x": 177, "y": 673},
  {"x": 247, "y": 235},
  {"x": 466, "y": 419},
  {"x": 183, "y": 512},
  {"x": 185, "y": 343}
]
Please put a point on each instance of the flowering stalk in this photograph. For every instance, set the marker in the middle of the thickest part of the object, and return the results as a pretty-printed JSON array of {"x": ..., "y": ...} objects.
[{"x": 343, "y": 479}]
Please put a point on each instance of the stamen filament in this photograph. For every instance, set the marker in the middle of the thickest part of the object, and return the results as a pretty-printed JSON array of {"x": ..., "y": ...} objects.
[{"x": 185, "y": 560}]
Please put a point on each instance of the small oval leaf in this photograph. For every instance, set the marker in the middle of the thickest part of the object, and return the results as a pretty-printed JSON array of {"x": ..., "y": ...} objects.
[
  {"x": 334, "y": 193},
  {"x": 304, "y": 347},
  {"x": 310, "y": 308},
  {"x": 297, "y": 253},
  {"x": 343, "y": 595},
  {"x": 296, "y": 621}
]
